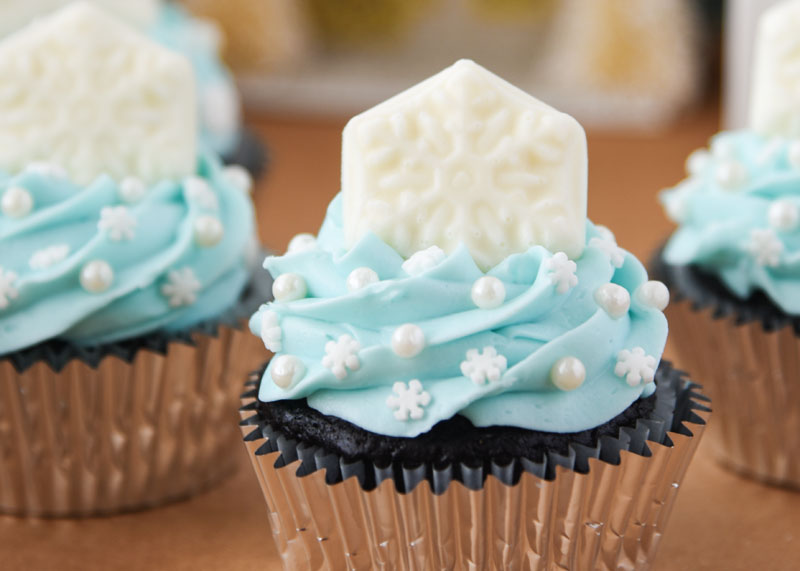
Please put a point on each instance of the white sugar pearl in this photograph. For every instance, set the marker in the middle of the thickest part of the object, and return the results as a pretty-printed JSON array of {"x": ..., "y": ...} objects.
[
  {"x": 16, "y": 202},
  {"x": 568, "y": 373},
  {"x": 286, "y": 370},
  {"x": 208, "y": 231},
  {"x": 614, "y": 299},
  {"x": 408, "y": 341},
  {"x": 239, "y": 177},
  {"x": 731, "y": 175},
  {"x": 488, "y": 292},
  {"x": 783, "y": 215},
  {"x": 361, "y": 278},
  {"x": 132, "y": 190},
  {"x": 697, "y": 162},
  {"x": 794, "y": 154},
  {"x": 302, "y": 243},
  {"x": 653, "y": 294},
  {"x": 289, "y": 287},
  {"x": 96, "y": 276}
]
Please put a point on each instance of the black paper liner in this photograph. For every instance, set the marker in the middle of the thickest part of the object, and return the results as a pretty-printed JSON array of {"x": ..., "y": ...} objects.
[
  {"x": 57, "y": 353},
  {"x": 250, "y": 152},
  {"x": 674, "y": 403}
]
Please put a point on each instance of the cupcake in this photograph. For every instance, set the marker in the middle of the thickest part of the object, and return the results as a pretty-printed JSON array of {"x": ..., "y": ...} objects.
[
  {"x": 467, "y": 371},
  {"x": 126, "y": 270},
  {"x": 733, "y": 264}
]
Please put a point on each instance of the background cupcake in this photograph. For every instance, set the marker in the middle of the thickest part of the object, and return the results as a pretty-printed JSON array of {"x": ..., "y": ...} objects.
[
  {"x": 733, "y": 263},
  {"x": 126, "y": 266},
  {"x": 436, "y": 333}
]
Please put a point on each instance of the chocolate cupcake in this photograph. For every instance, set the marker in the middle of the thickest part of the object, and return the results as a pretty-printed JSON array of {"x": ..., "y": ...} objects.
[{"x": 467, "y": 370}]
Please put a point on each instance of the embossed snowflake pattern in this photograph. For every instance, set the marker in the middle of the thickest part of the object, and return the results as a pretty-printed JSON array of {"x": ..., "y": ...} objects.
[
  {"x": 7, "y": 289},
  {"x": 765, "y": 247},
  {"x": 341, "y": 355},
  {"x": 199, "y": 192},
  {"x": 635, "y": 366},
  {"x": 271, "y": 332},
  {"x": 424, "y": 260},
  {"x": 608, "y": 245},
  {"x": 408, "y": 401},
  {"x": 117, "y": 222},
  {"x": 181, "y": 287},
  {"x": 47, "y": 257},
  {"x": 482, "y": 366},
  {"x": 562, "y": 272}
]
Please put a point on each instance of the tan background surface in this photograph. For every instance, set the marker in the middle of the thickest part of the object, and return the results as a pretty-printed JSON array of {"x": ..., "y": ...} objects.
[{"x": 720, "y": 521}]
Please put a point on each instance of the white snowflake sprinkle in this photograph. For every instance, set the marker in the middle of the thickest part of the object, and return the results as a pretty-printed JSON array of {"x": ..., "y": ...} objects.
[
  {"x": 271, "y": 332},
  {"x": 50, "y": 256},
  {"x": 424, "y": 260},
  {"x": 118, "y": 222},
  {"x": 408, "y": 400},
  {"x": 635, "y": 366},
  {"x": 341, "y": 355},
  {"x": 181, "y": 287},
  {"x": 198, "y": 191},
  {"x": 765, "y": 247},
  {"x": 7, "y": 289},
  {"x": 480, "y": 367},
  {"x": 608, "y": 246},
  {"x": 562, "y": 272}
]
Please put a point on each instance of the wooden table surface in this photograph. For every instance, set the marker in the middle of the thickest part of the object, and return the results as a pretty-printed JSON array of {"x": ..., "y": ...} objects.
[{"x": 720, "y": 521}]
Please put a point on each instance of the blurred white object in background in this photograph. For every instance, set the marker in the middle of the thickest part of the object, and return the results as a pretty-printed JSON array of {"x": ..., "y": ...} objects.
[{"x": 14, "y": 14}]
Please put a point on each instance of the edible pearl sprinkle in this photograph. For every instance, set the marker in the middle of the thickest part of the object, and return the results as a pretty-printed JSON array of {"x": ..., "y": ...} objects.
[
  {"x": 96, "y": 276},
  {"x": 286, "y": 370},
  {"x": 488, "y": 292},
  {"x": 361, "y": 278},
  {"x": 697, "y": 162},
  {"x": 16, "y": 202},
  {"x": 731, "y": 175},
  {"x": 614, "y": 299},
  {"x": 783, "y": 215},
  {"x": 302, "y": 243},
  {"x": 568, "y": 373},
  {"x": 653, "y": 294},
  {"x": 208, "y": 231},
  {"x": 132, "y": 190},
  {"x": 289, "y": 287},
  {"x": 408, "y": 341},
  {"x": 239, "y": 177},
  {"x": 794, "y": 154}
]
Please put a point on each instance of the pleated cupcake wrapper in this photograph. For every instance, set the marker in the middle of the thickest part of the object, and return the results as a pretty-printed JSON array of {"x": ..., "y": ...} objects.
[{"x": 602, "y": 507}]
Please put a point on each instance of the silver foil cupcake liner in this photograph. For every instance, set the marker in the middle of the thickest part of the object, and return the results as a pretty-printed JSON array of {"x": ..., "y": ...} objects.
[{"x": 601, "y": 507}]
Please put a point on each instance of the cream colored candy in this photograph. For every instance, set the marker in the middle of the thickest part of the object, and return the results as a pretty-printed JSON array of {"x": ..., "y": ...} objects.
[
  {"x": 775, "y": 105},
  {"x": 465, "y": 157},
  {"x": 87, "y": 92}
]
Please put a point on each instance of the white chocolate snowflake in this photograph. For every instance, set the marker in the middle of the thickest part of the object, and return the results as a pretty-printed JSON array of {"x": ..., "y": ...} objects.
[
  {"x": 271, "y": 332},
  {"x": 117, "y": 222},
  {"x": 635, "y": 366},
  {"x": 608, "y": 245},
  {"x": 7, "y": 289},
  {"x": 181, "y": 287},
  {"x": 765, "y": 247},
  {"x": 199, "y": 192},
  {"x": 341, "y": 355},
  {"x": 480, "y": 367},
  {"x": 50, "y": 256},
  {"x": 424, "y": 260},
  {"x": 562, "y": 272},
  {"x": 408, "y": 400}
]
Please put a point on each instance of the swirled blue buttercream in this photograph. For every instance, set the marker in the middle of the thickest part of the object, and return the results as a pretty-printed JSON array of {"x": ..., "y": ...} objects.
[
  {"x": 43, "y": 253},
  {"x": 534, "y": 328},
  {"x": 737, "y": 215}
]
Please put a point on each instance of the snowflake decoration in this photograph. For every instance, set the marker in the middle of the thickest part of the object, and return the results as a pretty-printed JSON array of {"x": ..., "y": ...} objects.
[
  {"x": 562, "y": 272},
  {"x": 765, "y": 247},
  {"x": 118, "y": 222},
  {"x": 608, "y": 246},
  {"x": 50, "y": 256},
  {"x": 181, "y": 287},
  {"x": 7, "y": 289},
  {"x": 341, "y": 355},
  {"x": 199, "y": 192},
  {"x": 424, "y": 260},
  {"x": 635, "y": 366},
  {"x": 408, "y": 400},
  {"x": 480, "y": 367},
  {"x": 271, "y": 332}
]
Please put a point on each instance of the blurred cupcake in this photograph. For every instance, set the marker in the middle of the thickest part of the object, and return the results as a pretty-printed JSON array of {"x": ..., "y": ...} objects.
[
  {"x": 449, "y": 387},
  {"x": 126, "y": 269},
  {"x": 734, "y": 262}
]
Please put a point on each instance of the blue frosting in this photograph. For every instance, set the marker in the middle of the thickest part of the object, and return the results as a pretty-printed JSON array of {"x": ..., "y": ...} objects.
[
  {"x": 48, "y": 300},
  {"x": 535, "y": 327},
  {"x": 726, "y": 228}
]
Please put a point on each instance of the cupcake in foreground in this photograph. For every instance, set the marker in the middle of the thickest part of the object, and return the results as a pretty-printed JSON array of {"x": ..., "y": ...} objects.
[
  {"x": 459, "y": 339},
  {"x": 734, "y": 262},
  {"x": 126, "y": 267}
]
